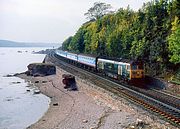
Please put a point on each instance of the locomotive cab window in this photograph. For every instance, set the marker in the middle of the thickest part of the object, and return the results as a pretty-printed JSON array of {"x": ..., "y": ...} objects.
[
  {"x": 134, "y": 67},
  {"x": 140, "y": 67}
]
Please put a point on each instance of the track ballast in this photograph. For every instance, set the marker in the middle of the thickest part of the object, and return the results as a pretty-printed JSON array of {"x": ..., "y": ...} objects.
[{"x": 164, "y": 105}]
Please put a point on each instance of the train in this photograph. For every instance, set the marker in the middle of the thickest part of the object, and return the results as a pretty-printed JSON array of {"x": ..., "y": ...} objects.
[{"x": 120, "y": 69}]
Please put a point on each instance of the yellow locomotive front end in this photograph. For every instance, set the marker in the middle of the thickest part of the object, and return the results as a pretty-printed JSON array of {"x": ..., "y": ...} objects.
[{"x": 136, "y": 71}]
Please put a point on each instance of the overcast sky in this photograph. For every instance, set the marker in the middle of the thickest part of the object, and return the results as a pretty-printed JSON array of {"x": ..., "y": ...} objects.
[{"x": 48, "y": 20}]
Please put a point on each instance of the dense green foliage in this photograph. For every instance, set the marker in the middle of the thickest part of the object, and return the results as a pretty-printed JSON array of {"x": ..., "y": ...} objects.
[
  {"x": 151, "y": 34},
  {"x": 174, "y": 42}
]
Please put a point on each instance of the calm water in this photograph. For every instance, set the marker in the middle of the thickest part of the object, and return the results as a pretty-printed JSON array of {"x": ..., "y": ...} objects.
[{"x": 19, "y": 108}]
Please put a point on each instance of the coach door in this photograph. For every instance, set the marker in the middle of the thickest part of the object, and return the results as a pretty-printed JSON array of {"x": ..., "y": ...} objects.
[{"x": 119, "y": 69}]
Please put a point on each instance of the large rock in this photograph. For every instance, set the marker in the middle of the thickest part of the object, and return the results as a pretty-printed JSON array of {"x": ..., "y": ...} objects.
[
  {"x": 41, "y": 69},
  {"x": 69, "y": 82}
]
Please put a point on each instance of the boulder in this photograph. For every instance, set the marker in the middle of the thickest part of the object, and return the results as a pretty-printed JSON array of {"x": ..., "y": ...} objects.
[
  {"x": 41, "y": 69},
  {"x": 69, "y": 82},
  {"x": 85, "y": 121},
  {"x": 9, "y": 75},
  {"x": 55, "y": 104},
  {"x": 37, "y": 91}
]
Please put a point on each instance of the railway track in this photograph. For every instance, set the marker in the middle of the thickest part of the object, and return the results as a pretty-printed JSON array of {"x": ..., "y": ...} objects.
[
  {"x": 161, "y": 96},
  {"x": 164, "y": 105}
]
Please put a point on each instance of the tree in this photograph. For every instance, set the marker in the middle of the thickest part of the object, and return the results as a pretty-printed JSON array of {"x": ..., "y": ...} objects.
[
  {"x": 98, "y": 10},
  {"x": 174, "y": 44},
  {"x": 114, "y": 44},
  {"x": 150, "y": 34},
  {"x": 66, "y": 43},
  {"x": 77, "y": 42}
]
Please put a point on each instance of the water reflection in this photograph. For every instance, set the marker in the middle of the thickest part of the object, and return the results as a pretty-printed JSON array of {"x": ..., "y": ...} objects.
[{"x": 19, "y": 107}]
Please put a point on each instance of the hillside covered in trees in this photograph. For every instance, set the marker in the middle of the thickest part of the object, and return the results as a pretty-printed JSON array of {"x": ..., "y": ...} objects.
[{"x": 151, "y": 34}]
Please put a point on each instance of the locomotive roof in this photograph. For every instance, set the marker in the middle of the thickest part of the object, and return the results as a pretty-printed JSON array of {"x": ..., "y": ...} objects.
[
  {"x": 121, "y": 60},
  {"x": 109, "y": 58}
]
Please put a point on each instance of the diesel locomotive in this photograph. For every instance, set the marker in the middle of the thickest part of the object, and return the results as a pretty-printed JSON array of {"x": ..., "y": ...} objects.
[{"x": 120, "y": 69}]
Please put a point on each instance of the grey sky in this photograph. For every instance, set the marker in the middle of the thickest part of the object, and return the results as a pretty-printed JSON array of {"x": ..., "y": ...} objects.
[{"x": 48, "y": 20}]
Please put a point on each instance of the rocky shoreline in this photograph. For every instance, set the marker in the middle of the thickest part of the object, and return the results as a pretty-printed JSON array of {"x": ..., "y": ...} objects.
[{"x": 90, "y": 107}]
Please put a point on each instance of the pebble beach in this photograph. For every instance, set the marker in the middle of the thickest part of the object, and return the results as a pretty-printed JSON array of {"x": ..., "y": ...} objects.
[{"x": 89, "y": 107}]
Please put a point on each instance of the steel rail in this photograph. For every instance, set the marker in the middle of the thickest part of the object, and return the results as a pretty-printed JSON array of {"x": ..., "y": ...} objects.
[{"x": 165, "y": 110}]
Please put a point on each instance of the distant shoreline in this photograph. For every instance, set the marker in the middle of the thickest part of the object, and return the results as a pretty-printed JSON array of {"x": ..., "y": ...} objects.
[
  {"x": 24, "y": 46},
  {"x": 7, "y": 43}
]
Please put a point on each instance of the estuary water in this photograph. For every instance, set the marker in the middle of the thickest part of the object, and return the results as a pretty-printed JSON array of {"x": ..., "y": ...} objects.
[{"x": 19, "y": 108}]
